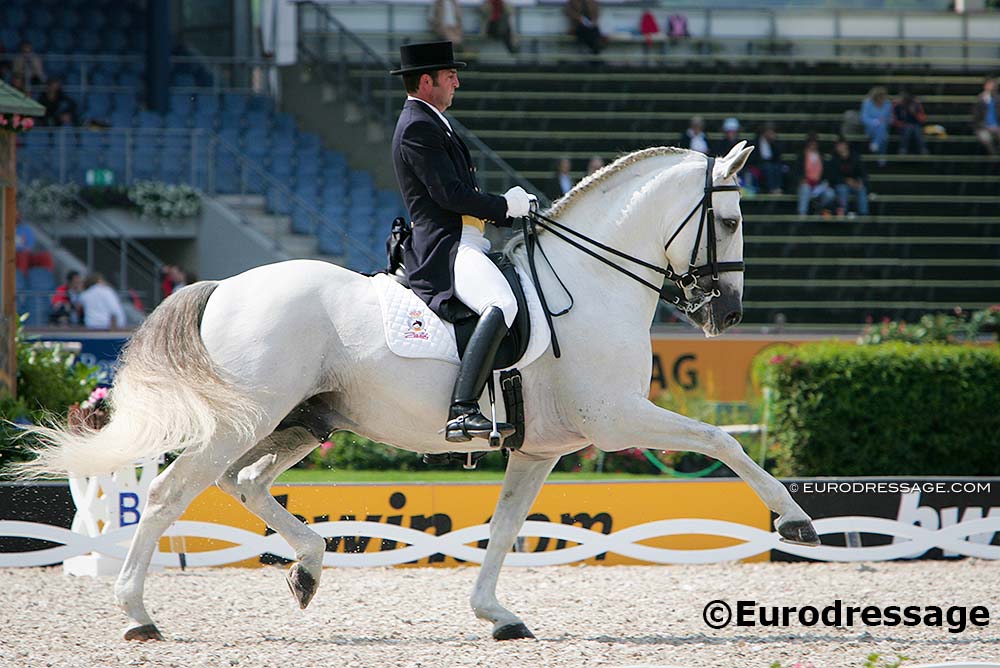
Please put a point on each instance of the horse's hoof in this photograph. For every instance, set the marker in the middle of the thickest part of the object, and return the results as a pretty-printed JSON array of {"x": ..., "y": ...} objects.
[
  {"x": 798, "y": 532},
  {"x": 302, "y": 584},
  {"x": 144, "y": 633},
  {"x": 512, "y": 632}
]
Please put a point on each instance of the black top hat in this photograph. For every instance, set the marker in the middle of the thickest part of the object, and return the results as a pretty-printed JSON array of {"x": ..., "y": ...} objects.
[{"x": 427, "y": 57}]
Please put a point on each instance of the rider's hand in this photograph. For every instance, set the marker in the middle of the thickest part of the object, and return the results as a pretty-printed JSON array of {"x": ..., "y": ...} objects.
[{"x": 518, "y": 202}]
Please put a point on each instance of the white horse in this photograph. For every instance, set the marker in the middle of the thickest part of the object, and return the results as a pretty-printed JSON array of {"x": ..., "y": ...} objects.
[{"x": 244, "y": 375}]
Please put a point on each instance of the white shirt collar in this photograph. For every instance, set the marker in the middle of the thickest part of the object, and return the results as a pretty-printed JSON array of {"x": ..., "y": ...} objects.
[{"x": 434, "y": 109}]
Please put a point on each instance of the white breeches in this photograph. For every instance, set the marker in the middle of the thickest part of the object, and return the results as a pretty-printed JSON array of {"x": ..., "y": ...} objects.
[{"x": 478, "y": 283}]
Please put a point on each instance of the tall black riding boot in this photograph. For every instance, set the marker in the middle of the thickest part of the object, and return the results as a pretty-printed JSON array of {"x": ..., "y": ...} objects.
[{"x": 465, "y": 421}]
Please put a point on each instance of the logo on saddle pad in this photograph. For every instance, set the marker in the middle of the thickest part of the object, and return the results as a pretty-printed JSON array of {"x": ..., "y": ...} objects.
[{"x": 416, "y": 329}]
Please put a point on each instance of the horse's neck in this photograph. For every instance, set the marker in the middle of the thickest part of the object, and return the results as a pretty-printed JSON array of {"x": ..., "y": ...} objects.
[{"x": 628, "y": 216}]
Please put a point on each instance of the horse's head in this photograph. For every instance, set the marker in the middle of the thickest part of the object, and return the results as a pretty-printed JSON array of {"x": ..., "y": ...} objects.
[{"x": 717, "y": 242}]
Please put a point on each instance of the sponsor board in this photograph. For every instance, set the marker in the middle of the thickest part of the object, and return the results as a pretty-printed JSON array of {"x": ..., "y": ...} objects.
[{"x": 905, "y": 508}]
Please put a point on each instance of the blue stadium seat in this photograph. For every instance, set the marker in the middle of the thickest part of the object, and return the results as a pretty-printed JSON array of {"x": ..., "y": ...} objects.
[
  {"x": 284, "y": 123},
  {"x": 278, "y": 201},
  {"x": 235, "y": 102},
  {"x": 182, "y": 103},
  {"x": 98, "y": 105},
  {"x": 124, "y": 102},
  {"x": 330, "y": 240},
  {"x": 149, "y": 119},
  {"x": 41, "y": 278},
  {"x": 302, "y": 221},
  {"x": 207, "y": 103}
]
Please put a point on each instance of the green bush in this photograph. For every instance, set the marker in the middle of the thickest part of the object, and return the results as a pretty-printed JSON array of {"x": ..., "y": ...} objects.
[
  {"x": 892, "y": 409},
  {"x": 49, "y": 381}
]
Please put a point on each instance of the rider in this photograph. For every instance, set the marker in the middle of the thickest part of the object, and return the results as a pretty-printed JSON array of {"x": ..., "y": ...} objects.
[{"x": 445, "y": 257}]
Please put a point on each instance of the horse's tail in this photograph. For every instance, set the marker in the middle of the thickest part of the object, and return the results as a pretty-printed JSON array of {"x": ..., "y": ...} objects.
[{"x": 168, "y": 395}]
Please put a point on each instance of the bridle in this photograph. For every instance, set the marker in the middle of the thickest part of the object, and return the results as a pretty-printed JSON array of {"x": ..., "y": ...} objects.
[{"x": 687, "y": 282}]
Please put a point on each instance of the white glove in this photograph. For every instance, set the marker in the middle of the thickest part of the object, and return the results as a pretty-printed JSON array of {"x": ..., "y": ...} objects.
[{"x": 518, "y": 202}]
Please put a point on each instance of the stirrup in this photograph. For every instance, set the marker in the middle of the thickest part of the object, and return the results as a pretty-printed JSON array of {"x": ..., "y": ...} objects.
[{"x": 458, "y": 431}]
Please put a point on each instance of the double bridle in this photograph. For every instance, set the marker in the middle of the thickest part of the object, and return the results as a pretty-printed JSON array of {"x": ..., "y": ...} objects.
[{"x": 686, "y": 281}]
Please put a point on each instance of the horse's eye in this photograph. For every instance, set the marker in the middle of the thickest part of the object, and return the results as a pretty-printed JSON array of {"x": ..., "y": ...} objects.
[{"x": 731, "y": 223}]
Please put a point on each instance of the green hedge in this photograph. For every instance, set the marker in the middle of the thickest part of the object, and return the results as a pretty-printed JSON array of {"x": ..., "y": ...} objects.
[{"x": 892, "y": 409}]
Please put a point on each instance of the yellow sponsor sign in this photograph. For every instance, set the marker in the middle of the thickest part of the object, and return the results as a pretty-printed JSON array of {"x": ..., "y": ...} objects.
[
  {"x": 717, "y": 369},
  {"x": 437, "y": 509}
]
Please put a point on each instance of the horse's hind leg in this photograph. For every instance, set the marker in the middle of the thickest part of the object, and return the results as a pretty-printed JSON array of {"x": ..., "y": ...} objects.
[
  {"x": 521, "y": 482},
  {"x": 250, "y": 479},
  {"x": 169, "y": 495}
]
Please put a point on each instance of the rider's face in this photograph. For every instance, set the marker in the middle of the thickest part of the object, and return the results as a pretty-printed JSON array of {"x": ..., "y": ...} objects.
[{"x": 442, "y": 90}]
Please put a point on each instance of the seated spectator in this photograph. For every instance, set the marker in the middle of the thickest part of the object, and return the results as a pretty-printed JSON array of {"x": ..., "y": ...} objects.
[
  {"x": 101, "y": 307},
  {"x": 60, "y": 109},
  {"x": 561, "y": 182},
  {"x": 848, "y": 177},
  {"x": 677, "y": 28},
  {"x": 65, "y": 308},
  {"x": 876, "y": 116},
  {"x": 986, "y": 118},
  {"x": 497, "y": 24},
  {"x": 28, "y": 65},
  {"x": 446, "y": 20},
  {"x": 909, "y": 118},
  {"x": 583, "y": 22},
  {"x": 694, "y": 137},
  {"x": 172, "y": 279},
  {"x": 730, "y": 136},
  {"x": 596, "y": 162},
  {"x": 812, "y": 186},
  {"x": 765, "y": 161}
]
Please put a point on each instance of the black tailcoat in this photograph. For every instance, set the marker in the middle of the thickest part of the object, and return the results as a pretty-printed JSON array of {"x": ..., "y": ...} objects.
[{"x": 438, "y": 182}]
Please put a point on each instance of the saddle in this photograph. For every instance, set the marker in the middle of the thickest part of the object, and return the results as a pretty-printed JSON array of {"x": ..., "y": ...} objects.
[{"x": 514, "y": 344}]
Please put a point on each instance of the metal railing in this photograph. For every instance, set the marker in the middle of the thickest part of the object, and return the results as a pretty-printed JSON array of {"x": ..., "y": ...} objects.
[
  {"x": 196, "y": 156},
  {"x": 337, "y": 53}
]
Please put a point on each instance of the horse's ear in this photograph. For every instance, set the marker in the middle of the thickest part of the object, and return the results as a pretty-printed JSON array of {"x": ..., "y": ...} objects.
[
  {"x": 737, "y": 147},
  {"x": 733, "y": 164}
]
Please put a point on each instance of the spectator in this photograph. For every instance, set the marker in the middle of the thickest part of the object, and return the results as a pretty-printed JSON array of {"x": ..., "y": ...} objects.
[
  {"x": 876, "y": 116},
  {"x": 172, "y": 279},
  {"x": 562, "y": 182},
  {"x": 583, "y": 22},
  {"x": 986, "y": 119},
  {"x": 17, "y": 83},
  {"x": 65, "y": 304},
  {"x": 28, "y": 65},
  {"x": 101, "y": 307},
  {"x": 446, "y": 20},
  {"x": 812, "y": 186},
  {"x": 647, "y": 28},
  {"x": 909, "y": 118},
  {"x": 730, "y": 136},
  {"x": 60, "y": 109},
  {"x": 847, "y": 176},
  {"x": 497, "y": 24},
  {"x": 765, "y": 161},
  {"x": 694, "y": 137},
  {"x": 596, "y": 162},
  {"x": 677, "y": 28}
]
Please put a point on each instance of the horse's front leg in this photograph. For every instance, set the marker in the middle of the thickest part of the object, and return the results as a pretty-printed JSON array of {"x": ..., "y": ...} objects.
[
  {"x": 521, "y": 482},
  {"x": 643, "y": 424}
]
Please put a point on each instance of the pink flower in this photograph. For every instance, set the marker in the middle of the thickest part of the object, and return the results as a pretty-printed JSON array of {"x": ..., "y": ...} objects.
[
  {"x": 3, "y": 120},
  {"x": 98, "y": 394},
  {"x": 325, "y": 446},
  {"x": 777, "y": 359},
  {"x": 27, "y": 123},
  {"x": 17, "y": 120}
]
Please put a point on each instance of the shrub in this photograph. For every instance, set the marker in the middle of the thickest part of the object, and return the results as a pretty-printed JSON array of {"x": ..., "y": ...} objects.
[
  {"x": 891, "y": 409},
  {"x": 49, "y": 382}
]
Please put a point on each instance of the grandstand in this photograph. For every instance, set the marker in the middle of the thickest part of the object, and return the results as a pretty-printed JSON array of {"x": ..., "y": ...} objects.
[{"x": 932, "y": 241}]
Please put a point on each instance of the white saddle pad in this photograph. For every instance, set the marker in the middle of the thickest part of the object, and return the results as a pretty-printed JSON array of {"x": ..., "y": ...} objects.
[{"x": 413, "y": 330}]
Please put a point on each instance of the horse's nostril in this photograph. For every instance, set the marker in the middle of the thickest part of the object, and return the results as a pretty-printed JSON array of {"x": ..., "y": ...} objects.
[{"x": 733, "y": 319}]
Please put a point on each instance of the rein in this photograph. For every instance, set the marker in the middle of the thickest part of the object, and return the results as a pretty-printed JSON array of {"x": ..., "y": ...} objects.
[{"x": 685, "y": 281}]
